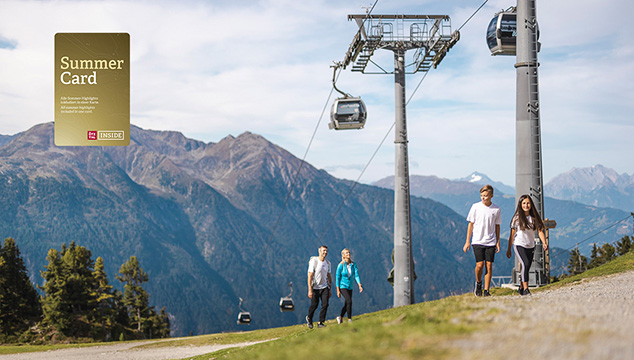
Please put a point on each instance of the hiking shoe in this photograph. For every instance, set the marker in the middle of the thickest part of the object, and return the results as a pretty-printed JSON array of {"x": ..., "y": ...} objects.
[
  {"x": 527, "y": 292},
  {"x": 486, "y": 293},
  {"x": 338, "y": 319},
  {"x": 309, "y": 323},
  {"x": 321, "y": 325},
  {"x": 478, "y": 289},
  {"x": 520, "y": 290}
]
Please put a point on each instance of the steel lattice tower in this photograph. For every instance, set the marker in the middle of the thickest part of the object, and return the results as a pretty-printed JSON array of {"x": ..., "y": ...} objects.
[{"x": 431, "y": 37}]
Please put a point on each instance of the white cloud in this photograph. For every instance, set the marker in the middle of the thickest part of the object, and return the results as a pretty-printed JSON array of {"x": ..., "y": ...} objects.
[{"x": 213, "y": 68}]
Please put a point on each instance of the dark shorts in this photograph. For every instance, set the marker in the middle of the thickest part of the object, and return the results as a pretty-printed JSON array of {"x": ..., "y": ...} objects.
[{"x": 483, "y": 253}]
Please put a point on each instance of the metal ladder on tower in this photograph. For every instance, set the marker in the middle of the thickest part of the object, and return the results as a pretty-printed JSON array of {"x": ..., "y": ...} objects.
[
  {"x": 533, "y": 104},
  {"x": 534, "y": 110}
]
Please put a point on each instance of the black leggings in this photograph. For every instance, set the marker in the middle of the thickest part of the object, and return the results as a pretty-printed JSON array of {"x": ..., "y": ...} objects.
[
  {"x": 347, "y": 307},
  {"x": 525, "y": 256}
]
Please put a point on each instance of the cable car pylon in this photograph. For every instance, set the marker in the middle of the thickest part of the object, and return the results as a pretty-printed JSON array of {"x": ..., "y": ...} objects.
[
  {"x": 432, "y": 38},
  {"x": 505, "y": 37}
]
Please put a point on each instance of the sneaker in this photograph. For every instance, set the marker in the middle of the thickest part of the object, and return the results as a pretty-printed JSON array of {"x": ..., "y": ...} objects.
[
  {"x": 321, "y": 325},
  {"x": 349, "y": 320},
  {"x": 520, "y": 290},
  {"x": 338, "y": 319},
  {"x": 309, "y": 322},
  {"x": 527, "y": 292},
  {"x": 486, "y": 293},
  {"x": 478, "y": 289}
]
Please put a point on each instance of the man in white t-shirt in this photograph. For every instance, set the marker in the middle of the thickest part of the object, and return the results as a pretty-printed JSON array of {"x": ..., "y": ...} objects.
[
  {"x": 484, "y": 224},
  {"x": 319, "y": 281}
]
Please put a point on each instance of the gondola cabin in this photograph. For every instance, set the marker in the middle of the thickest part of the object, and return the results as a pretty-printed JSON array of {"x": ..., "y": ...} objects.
[
  {"x": 286, "y": 304},
  {"x": 244, "y": 318},
  {"x": 347, "y": 113},
  {"x": 502, "y": 33}
]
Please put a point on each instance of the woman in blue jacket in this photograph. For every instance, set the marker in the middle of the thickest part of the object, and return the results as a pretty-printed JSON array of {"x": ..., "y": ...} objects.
[{"x": 346, "y": 271}]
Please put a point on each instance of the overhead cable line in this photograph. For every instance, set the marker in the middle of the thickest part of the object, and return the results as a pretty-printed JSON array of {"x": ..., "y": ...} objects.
[
  {"x": 292, "y": 185},
  {"x": 427, "y": 72},
  {"x": 337, "y": 65},
  {"x": 356, "y": 182},
  {"x": 472, "y": 15},
  {"x": 385, "y": 137},
  {"x": 335, "y": 78},
  {"x": 595, "y": 234},
  {"x": 290, "y": 189}
]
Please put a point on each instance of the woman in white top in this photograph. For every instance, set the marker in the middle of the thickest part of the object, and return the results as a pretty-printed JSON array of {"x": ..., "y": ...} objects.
[{"x": 525, "y": 222}]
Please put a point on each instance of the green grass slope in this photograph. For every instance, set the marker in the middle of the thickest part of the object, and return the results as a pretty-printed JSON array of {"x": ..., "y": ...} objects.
[{"x": 407, "y": 332}]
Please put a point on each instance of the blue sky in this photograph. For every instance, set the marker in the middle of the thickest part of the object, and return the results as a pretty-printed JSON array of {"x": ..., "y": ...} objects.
[{"x": 211, "y": 69}]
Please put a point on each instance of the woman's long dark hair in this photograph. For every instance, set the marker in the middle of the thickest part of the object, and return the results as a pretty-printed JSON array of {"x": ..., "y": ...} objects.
[{"x": 537, "y": 224}]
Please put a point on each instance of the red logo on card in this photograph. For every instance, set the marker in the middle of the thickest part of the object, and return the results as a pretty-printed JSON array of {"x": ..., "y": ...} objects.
[{"x": 92, "y": 135}]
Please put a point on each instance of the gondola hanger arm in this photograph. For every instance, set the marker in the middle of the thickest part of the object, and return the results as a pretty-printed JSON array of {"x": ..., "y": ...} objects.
[{"x": 337, "y": 66}]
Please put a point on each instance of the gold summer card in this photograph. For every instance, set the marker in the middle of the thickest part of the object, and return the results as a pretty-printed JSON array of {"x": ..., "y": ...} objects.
[{"x": 92, "y": 89}]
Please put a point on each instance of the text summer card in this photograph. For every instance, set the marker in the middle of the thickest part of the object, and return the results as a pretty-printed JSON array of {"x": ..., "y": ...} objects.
[{"x": 92, "y": 89}]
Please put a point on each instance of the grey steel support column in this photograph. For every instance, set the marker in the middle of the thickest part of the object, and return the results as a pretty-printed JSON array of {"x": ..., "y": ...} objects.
[
  {"x": 528, "y": 163},
  {"x": 432, "y": 36},
  {"x": 403, "y": 260}
]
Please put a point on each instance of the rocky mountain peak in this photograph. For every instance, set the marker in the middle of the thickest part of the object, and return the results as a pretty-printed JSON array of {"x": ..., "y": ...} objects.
[
  {"x": 596, "y": 185},
  {"x": 585, "y": 179},
  {"x": 482, "y": 179}
]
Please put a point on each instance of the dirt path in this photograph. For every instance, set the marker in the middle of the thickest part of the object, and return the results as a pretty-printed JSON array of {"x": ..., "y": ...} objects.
[
  {"x": 593, "y": 319},
  {"x": 122, "y": 352}
]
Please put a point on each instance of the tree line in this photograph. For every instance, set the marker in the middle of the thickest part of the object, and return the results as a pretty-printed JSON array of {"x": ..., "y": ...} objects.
[
  {"x": 77, "y": 301},
  {"x": 599, "y": 255}
]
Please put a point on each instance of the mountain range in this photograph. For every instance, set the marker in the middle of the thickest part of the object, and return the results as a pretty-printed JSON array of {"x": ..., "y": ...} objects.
[
  {"x": 204, "y": 221},
  {"x": 576, "y": 222},
  {"x": 596, "y": 185},
  {"x": 215, "y": 222}
]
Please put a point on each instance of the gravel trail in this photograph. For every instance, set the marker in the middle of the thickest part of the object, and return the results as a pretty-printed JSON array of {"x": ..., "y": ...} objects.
[
  {"x": 125, "y": 351},
  {"x": 591, "y": 319}
]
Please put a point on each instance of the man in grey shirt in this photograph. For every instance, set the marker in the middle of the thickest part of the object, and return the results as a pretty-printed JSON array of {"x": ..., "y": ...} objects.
[{"x": 319, "y": 285}]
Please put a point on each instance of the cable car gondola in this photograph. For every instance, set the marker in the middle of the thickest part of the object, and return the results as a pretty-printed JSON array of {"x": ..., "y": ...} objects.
[
  {"x": 286, "y": 302},
  {"x": 502, "y": 33},
  {"x": 347, "y": 113},
  {"x": 244, "y": 317}
]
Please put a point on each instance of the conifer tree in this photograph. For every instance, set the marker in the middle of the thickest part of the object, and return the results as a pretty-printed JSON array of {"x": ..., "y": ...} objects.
[
  {"x": 104, "y": 297},
  {"x": 54, "y": 303},
  {"x": 69, "y": 302},
  {"x": 577, "y": 263},
  {"x": 80, "y": 281},
  {"x": 19, "y": 301},
  {"x": 594, "y": 257},
  {"x": 121, "y": 317},
  {"x": 149, "y": 323},
  {"x": 135, "y": 297},
  {"x": 159, "y": 324},
  {"x": 624, "y": 245},
  {"x": 607, "y": 253}
]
